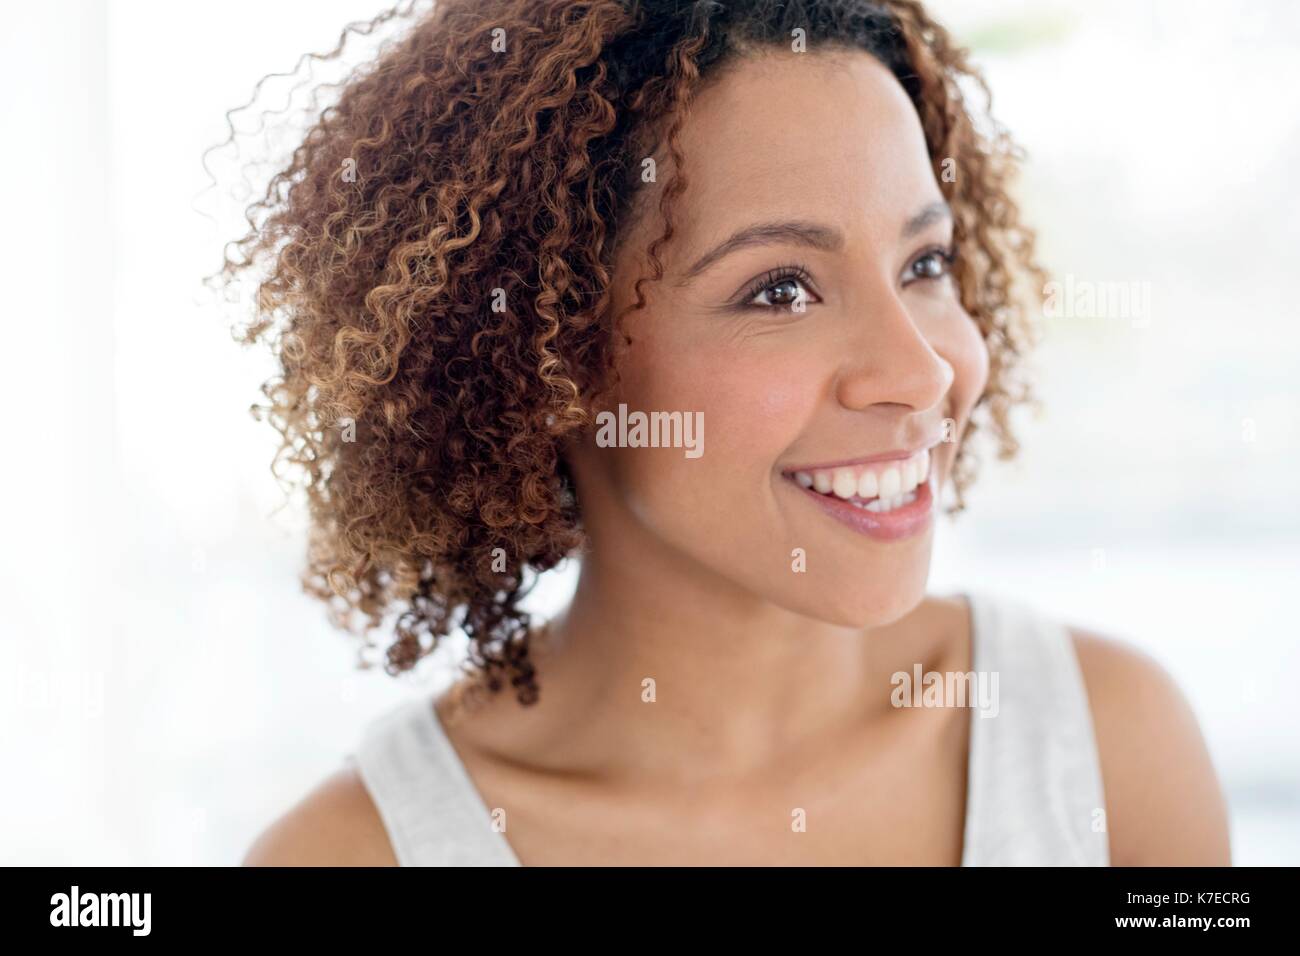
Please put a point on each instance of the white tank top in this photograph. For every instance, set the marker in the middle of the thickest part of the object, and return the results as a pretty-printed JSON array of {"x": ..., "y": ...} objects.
[{"x": 1034, "y": 790}]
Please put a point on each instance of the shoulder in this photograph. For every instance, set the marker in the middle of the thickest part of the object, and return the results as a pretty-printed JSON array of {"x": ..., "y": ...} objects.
[
  {"x": 336, "y": 824},
  {"x": 1164, "y": 805}
]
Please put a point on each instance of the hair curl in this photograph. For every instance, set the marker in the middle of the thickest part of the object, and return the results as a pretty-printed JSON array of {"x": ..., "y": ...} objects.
[{"x": 424, "y": 425}]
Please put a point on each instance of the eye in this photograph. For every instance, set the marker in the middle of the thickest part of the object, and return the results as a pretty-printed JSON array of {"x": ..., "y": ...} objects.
[
  {"x": 935, "y": 263},
  {"x": 782, "y": 288}
]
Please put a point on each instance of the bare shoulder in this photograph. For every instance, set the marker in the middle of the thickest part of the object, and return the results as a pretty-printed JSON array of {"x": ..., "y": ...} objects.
[
  {"x": 336, "y": 824},
  {"x": 1164, "y": 805}
]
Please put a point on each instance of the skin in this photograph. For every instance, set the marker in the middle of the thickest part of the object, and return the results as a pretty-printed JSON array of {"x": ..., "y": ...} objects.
[{"x": 772, "y": 687}]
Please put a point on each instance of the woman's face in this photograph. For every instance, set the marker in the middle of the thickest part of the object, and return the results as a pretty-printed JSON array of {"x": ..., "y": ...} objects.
[{"x": 827, "y": 335}]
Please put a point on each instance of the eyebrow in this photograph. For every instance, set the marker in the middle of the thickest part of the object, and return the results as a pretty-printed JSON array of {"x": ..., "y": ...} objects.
[
  {"x": 799, "y": 232},
  {"x": 937, "y": 211}
]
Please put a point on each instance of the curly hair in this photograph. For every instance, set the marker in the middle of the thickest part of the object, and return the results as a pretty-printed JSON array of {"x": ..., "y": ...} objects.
[{"x": 432, "y": 270}]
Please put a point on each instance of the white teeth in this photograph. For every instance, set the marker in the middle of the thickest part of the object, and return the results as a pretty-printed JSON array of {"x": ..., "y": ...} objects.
[
  {"x": 844, "y": 483},
  {"x": 890, "y": 483},
  {"x": 861, "y": 483},
  {"x": 909, "y": 475},
  {"x": 867, "y": 485},
  {"x": 889, "y": 504}
]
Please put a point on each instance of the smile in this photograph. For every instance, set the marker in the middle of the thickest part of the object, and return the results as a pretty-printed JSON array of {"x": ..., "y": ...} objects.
[{"x": 888, "y": 499}]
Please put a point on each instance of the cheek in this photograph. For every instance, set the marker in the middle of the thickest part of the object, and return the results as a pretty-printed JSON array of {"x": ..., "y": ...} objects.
[
  {"x": 968, "y": 354},
  {"x": 966, "y": 351},
  {"x": 754, "y": 402}
]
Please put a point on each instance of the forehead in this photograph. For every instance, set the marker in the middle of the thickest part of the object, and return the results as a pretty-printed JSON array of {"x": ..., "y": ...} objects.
[{"x": 829, "y": 136}]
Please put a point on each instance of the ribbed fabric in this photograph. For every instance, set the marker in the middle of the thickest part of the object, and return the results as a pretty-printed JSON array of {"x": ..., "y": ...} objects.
[
  {"x": 1034, "y": 790},
  {"x": 431, "y": 809}
]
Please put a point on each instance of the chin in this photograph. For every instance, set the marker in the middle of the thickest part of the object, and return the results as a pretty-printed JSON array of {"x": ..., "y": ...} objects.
[
  {"x": 878, "y": 607},
  {"x": 878, "y": 594}
]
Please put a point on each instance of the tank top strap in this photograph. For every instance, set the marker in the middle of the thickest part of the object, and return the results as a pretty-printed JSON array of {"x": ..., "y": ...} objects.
[
  {"x": 1034, "y": 788},
  {"x": 430, "y": 807}
]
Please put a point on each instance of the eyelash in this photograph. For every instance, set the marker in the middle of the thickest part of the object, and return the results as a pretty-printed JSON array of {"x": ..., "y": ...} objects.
[
  {"x": 946, "y": 254},
  {"x": 774, "y": 277},
  {"x": 799, "y": 273}
]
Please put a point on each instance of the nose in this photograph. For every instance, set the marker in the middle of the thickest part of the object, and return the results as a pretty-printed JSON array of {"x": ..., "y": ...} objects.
[{"x": 889, "y": 361}]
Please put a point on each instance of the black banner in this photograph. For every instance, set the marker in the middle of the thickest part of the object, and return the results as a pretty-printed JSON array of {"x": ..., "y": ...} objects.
[{"x": 366, "y": 905}]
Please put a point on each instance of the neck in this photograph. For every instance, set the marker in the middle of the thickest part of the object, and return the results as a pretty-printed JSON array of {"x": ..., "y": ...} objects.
[{"x": 661, "y": 667}]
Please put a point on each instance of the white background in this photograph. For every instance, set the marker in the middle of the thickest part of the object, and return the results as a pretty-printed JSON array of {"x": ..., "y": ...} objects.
[{"x": 165, "y": 689}]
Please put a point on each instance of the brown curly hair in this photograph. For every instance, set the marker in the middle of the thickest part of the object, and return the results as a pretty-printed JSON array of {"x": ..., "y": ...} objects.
[{"x": 491, "y": 156}]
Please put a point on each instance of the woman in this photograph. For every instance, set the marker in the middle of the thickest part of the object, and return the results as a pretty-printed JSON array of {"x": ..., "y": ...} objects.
[{"x": 714, "y": 295}]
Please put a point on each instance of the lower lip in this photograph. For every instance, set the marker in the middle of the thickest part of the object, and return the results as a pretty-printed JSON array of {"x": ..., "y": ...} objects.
[{"x": 910, "y": 519}]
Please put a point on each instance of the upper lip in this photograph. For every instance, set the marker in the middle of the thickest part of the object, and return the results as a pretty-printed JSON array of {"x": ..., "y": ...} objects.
[{"x": 897, "y": 455}]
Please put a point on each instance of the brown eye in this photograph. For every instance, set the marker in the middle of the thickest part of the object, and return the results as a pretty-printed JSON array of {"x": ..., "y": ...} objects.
[
  {"x": 787, "y": 288},
  {"x": 933, "y": 264},
  {"x": 782, "y": 294}
]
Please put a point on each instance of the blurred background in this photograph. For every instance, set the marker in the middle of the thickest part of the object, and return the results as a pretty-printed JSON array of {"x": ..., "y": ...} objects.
[{"x": 166, "y": 690}]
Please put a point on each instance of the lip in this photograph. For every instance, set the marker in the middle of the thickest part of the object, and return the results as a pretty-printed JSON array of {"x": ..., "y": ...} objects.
[
  {"x": 900, "y": 455},
  {"x": 904, "y": 522}
]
